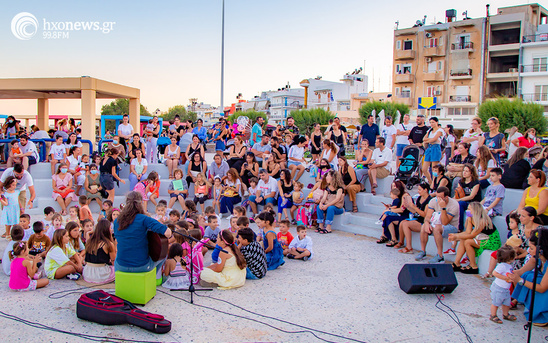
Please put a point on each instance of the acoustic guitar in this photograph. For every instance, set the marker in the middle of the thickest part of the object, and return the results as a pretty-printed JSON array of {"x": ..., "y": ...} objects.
[{"x": 157, "y": 246}]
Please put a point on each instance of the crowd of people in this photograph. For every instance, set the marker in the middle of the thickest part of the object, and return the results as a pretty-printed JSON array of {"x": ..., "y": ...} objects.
[{"x": 265, "y": 169}]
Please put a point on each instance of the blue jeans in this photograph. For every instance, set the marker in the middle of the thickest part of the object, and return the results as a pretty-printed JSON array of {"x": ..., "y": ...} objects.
[
  {"x": 133, "y": 180},
  {"x": 463, "y": 206},
  {"x": 227, "y": 203},
  {"x": 329, "y": 214},
  {"x": 252, "y": 199},
  {"x": 249, "y": 275},
  {"x": 142, "y": 269}
]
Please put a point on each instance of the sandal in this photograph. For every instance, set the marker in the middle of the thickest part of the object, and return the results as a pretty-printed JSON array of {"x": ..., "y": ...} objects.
[
  {"x": 509, "y": 317},
  {"x": 469, "y": 270},
  {"x": 399, "y": 245},
  {"x": 456, "y": 268},
  {"x": 382, "y": 240},
  {"x": 514, "y": 305},
  {"x": 406, "y": 250},
  {"x": 495, "y": 319},
  {"x": 374, "y": 186},
  {"x": 373, "y": 191},
  {"x": 355, "y": 209},
  {"x": 391, "y": 244},
  {"x": 324, "y": 231}
]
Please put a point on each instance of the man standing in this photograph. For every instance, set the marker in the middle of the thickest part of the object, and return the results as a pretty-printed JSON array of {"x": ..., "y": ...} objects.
[
  {"x": 378, "y": 167},
  {"x": 24, "y": 181},
  {"x": 442, "y": 218},
  {"x": 418, "y": 132},
  {"x": 266, "y": 191},
  {"x": 389, "y": 133},
  {"x": 402, "y": 134},
  {"x": 341, "y": 127},
  {"x": 369, "y": 131},
  {"x": 291, "y": 129},
  {"x": 261, "y": 148},
  {"x": 256, "y": 131}
]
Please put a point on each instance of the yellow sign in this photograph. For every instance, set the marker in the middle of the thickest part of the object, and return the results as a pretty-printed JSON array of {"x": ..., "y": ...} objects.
[{"x": 428, "y": 103}]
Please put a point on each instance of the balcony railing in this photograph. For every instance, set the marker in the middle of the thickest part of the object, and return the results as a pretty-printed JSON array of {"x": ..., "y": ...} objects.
[
  {"x": 434, "y": 76},
  {"x": 462, "y": 46},
  {"x": 534, "y": 68},
  {"x": 460, "y": 98},
  {"x": 535, "y": 97},
  {"x": 539, "y": 37},
  {"x": 400, "y": 78},
  {"x": 405, "y": 54},
  {"x": 461, "y": 72}
]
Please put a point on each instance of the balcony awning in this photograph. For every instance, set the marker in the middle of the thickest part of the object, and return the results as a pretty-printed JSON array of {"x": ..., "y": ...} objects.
[{"x": 460, "y": 62}]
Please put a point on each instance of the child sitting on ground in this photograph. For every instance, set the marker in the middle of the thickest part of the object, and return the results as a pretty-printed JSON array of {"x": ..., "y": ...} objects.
[
  {"x": 107, "y": 206},
  {"x": 239, "y": 211},
  {"x": 176, "y": 275},
  {"x": 197, "y": 256},
  {"x": 48, "y": 213},
  {"x": 61, "y": 260},
  {"x": 298, "y": 200},
  {"x": 160, "y": 214},
  {"x": 57, "y": 224},
  {"x": 112, "y": 214},
  {"x": 74, "y": 214},
  {"x": 23, "y": 269},
  {"x": 17, "y": 234},
  {"x": 254, "y": 254},
  {"x": 174, "y": 216},
  {"x": 210, "y": 211},
  {"x": 500, "y": 288},
  {"x": 396, "y": 203},
  {"x": 100, "y": 254},
  {"x": 494, "y": 195},
  {"x": 182, "y": 240},
  {"x": 284, "y": 236},
  {"x": 301, "y": 247},
  {"x": 24, "y": 222},
  {"x": 212, "y": 230},
  {"x": 87, "y": 229},
  {"x": 216, "y": 193},
  {"x": 85, "y": 212},
  {"x": 190, "y": 209},
  {"x": 75, "y": 242},
  {"x": 201, "y": 190},
  {"x": 272, "y": 248},
  {"x": 38, "y": 243}
]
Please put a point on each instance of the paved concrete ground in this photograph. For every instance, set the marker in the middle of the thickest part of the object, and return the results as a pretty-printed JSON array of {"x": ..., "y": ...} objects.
[{"x": 350, "y": 288}]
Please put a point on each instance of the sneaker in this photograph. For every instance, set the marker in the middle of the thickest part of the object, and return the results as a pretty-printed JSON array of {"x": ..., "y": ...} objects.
[
  {"x": 378, "y": 222},
  {"x": 293, "y": 222},
  {"x": 464, "y": 260},
  {"x": 436, "y": 259},
  {"x": 450, "y": 252},
  {"x": 420, "y": 256},
  {"x": 73, "y": 276},
  {"x": 290, "y": 256},
  {"x": 305, "y": 258}
]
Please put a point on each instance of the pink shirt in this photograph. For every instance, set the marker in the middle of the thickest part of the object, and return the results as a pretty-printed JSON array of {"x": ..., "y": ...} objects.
[
  {"x": 19, "y": 277},
  {"x": 197, "y": 261}
]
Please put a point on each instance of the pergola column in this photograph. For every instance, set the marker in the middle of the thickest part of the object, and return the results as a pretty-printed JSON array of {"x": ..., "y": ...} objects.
[
  {"x": 88, "y": 114},
  {"x": 43, "y": 114},
  {"x": 135, "y": 114}
]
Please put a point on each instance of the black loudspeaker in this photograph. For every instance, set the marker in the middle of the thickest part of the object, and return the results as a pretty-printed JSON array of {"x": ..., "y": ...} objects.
[{"x": 427, "y": 278}]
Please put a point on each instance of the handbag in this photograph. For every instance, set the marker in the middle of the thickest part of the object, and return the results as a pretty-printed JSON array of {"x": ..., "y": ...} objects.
[
  {"x": 459, "y": 192},
  {"x": 229, "y": 193}
]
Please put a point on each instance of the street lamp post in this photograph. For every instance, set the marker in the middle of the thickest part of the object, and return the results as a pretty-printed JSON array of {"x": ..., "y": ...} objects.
[{"x": 222, "y": 58}]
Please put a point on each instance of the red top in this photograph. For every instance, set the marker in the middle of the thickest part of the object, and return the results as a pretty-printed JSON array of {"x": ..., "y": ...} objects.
[{"x": 525, "y": 142}]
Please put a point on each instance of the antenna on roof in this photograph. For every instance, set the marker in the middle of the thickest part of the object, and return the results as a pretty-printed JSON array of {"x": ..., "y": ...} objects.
[{"x": 397, "y": 24}]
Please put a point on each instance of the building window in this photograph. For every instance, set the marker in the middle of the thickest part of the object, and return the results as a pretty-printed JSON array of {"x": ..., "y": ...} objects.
[
  {"x": 432, "y": 43},
  {"x": 398, "y": 45},
  {"x": 397, "y": 91},
  {"x": 541, "y": 93},
  {"x": 430, "y": 91},
  {"x": 440, "y": 41},
  {"x": 405, "y": 93},
  {"x": 460, "y": 111},
  {"x": 406, "y": 69},
  {"x": 540, "y": 64},
  {"x": 440, "y": 65},
  {"x": 408, "y": 45},
  {"x": 398, "y": 69}
]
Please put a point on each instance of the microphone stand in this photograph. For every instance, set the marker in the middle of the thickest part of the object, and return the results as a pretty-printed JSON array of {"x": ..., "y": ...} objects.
[
  {"x": 529, "y": 324},
  {"x": 191, "y": 288}
]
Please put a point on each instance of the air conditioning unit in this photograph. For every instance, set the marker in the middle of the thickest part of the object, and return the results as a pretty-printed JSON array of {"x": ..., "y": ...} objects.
[
  {"x": 428, "y": 35},
  {"x": 437, "y": 93},
  {"x": 428, "y": 59},
  {"x": 513, "y": 70}
]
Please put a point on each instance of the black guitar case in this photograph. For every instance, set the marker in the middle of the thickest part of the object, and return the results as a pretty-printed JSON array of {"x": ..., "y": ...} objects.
[{"x": 107, "y": 309}]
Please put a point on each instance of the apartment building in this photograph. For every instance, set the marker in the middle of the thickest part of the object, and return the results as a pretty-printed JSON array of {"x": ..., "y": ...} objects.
[
  {"x": 448, "y": 69},
  {"x": 533, "y": 77}
]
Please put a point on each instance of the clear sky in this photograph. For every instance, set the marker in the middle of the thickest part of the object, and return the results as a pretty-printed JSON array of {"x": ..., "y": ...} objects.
[{"x": 171, "y": 49}]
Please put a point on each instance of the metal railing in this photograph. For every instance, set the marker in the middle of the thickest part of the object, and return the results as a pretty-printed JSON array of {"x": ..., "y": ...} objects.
[
  {"x": 533, "y": 68},
  {"x": 460, "y": 98},
  {"x": 100, "y": 144},
  {"x": 462, "y": 46},
  {"x": 535, "y": 97},
  {"x": 539, "y": 37}
]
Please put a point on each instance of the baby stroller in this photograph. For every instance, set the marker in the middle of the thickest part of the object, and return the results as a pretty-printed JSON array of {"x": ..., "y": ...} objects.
[{"x": 409, "y": 172}]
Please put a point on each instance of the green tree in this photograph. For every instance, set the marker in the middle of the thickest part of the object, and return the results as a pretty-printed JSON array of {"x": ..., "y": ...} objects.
[
  {"x": 181, "y": 111},
  {"x": 390, "y": 109},
  {"x": 251, "y": 114},
  {"x": 119, "y": 107},
  {"x": 513, "y": 112},
  {"x": 306, "y": 118}
]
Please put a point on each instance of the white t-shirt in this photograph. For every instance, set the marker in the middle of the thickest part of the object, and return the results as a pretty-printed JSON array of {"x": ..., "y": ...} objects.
[
  {"x": 503, "y": 269},
  {"x": 382, "y": 156},
  {"x": 511, "y": 147},
  {"x": 296, "y": 152},
  {"x": 26, "y": 180},
  {"x": 125, "y": 129},
  {"x": 474, "y": 145},
  {"x": 58, "y": 151},
  {"x": 433, "y": 134},
  {"x": 68, "y": 145},
  {"x": 267, "y": 187},
  {"x": 139, "y": 167},
  {"x": 403, "y": 139},
  {"x": 30, "y": 147},
  {"x": 450, "y": 139},
  {"x": 387, "y": 133},
  {"x": 234, "y": 184},
  {"x": 490, "y": 164},
  {"x": 73, "y": 162}
]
